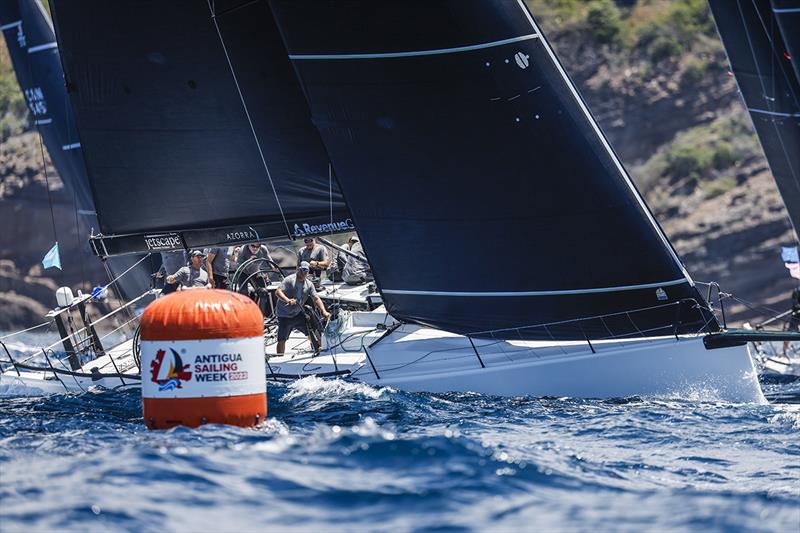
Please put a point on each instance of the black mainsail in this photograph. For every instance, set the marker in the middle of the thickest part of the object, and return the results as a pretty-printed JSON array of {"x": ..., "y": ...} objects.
[
  {"x": 194, "y": 127},
  {"x": 456, "y": 131},
  {"x": 762, "y": 65}
]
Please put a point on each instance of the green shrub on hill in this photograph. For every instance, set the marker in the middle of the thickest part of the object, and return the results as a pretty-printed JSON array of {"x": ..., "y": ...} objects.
[
  {"x": 13, "y": 111},
  {"x": 605, "y": 20},
  {"x": 675, "y": 31},
  {"x": 706, "y": 155}
]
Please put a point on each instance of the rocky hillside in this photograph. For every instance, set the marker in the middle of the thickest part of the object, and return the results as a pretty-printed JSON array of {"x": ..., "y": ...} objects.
[
  {"x": 655, "y": 75},
  {"x": 653, "y": 72}
]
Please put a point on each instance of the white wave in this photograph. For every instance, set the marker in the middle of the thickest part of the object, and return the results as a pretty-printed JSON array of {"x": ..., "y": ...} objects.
[
  {"x": 12, "y": 386},
  {"x": 788, "y": 417},
  {"x": 327, "y": 388}
]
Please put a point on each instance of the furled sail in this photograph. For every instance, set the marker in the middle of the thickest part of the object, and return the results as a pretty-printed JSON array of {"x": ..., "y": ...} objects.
[
  {"x": 485, "y": 194},
  {"x": 194, "y": 127},
  {"x": 769, "y": 86}
]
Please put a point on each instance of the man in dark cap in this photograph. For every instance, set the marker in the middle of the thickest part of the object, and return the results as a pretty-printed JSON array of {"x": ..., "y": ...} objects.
[
  {"x": 294, "y": 292},
  {"x": 315, "y": 255}
]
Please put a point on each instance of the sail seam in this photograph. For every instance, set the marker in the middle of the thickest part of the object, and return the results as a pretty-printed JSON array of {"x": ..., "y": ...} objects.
[
  {"x": 604, "y": 142},
  {"x": 439, "y": 51},
  {"x": 538, "y": 293}
]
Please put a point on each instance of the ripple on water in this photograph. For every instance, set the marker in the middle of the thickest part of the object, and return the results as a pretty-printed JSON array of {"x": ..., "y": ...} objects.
[{"x": 342, "y": 453}]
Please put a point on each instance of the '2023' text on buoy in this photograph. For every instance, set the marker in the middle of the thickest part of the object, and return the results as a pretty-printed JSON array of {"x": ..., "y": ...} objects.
[{"x": 202, "y": 354}]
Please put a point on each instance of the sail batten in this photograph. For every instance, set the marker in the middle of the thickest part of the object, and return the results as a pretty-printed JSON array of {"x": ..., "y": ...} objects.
[
  {"x": 512, "y": 294},
  {"x": 389, "y": 55}
]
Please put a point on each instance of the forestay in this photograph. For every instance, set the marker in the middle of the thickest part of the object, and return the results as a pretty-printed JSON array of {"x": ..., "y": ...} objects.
[
  {"x": 193, "y": 125},
  {"x": 769, "y": 86},
  {"x": 485, "y": 194}
]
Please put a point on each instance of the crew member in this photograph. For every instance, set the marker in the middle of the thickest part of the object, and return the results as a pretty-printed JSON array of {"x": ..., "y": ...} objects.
[
  {"x": 217, "y": 266},
  {"x": 254, "y": 249},
  {"x": 292, "y": 295},
  {"x": 315, "y": 255},
  {"x": 193, "y": 275},
  {"x": 356, "y": 271}
]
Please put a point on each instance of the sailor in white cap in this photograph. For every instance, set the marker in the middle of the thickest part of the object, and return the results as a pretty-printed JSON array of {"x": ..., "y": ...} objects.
[
  {"x": 356, "y": 271},
  {"x": 292, "y": 294},
  {"x": 192, "y": 275}
]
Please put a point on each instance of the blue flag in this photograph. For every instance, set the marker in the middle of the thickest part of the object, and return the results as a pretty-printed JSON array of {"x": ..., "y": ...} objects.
[
  {"x": 52, "y": 258},
  {"x": 789, "y": 254}
]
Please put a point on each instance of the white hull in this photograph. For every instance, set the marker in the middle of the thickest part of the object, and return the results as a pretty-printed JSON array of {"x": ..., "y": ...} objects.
[
  {"x": 651, "y": 367},
  {"x": 415, "y": 358}
]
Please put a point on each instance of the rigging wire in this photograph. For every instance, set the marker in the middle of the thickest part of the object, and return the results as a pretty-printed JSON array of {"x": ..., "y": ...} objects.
[
  {"x": 26, "y": 330},
  {"x": 211, "y": 8},
  {"x": 47, "y": 185},
  {"x": 41, "y": 151}
]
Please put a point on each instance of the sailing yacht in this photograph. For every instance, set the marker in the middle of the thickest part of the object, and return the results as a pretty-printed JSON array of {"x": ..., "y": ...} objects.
[{"x": 216, "y": 123}]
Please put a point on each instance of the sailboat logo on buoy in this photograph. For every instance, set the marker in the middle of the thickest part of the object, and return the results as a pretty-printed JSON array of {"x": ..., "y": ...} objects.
[{"x": 168, "y": 376}]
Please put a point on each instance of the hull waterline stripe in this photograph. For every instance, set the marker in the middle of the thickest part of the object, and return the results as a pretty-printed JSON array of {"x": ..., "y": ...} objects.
[
  {"x": 439, "y": 51},
  {"x": 39, "y": 48},
  {"x": 538, "y": 293},
  {"x": 773, "y": 113}
]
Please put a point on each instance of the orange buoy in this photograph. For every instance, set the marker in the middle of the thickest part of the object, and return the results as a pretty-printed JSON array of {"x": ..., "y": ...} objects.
[{"x": 202, "y": 357}]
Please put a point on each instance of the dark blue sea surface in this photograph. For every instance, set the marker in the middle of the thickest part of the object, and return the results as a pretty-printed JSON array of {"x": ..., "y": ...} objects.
[{"x": 344, "y": 455}]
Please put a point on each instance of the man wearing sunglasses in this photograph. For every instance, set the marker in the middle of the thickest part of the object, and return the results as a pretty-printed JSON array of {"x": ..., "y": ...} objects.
[{"x": 315, "y": 255}]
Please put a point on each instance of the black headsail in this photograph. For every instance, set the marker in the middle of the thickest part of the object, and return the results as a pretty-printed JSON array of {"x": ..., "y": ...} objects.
[
  {"x": 194, "y": 127},
  {"x": 485, "y": 194},
  {"x": 762, "y": 66}
]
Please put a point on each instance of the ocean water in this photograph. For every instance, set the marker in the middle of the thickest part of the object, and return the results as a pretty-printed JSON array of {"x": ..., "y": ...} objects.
[{"x": 343, "y": 455}]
